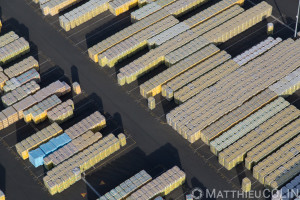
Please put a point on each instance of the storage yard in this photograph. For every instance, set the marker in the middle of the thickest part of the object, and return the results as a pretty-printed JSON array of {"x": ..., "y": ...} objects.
[{"x": 147, "y": 99}]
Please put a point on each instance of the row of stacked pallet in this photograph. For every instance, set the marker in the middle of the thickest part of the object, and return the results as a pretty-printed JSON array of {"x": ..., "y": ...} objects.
[
  {"x": 289, "y": 191},
  {"x": 153, "y": 58},
  {"x": 153, "y": 85},
  {"x": 265, "y": 72},
  {"x": 175, "y": 84},
  {"x": 69, "y": 171},
  {"x": 61, "y": 112},
  {"x": 82, "y": 14},
  {"x": 127, "y": 187},
  {"x": 161, "y": 185}
]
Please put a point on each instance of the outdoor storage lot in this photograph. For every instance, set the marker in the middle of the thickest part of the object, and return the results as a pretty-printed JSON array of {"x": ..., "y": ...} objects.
[{"x": 153, "y": 145}]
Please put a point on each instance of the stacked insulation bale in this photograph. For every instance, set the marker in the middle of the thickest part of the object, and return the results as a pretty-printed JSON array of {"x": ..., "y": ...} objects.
[
  {"x": 287, "y": 85},
  {"x": 64, "y": 175},
  {"x": 162, "y": 185},
  {"x": 82, "y": 14},
  {"x": 15, "y": 82},
  {"x": 180, "y": 7},
  {"x": 256, "y": 50},
  {"x": 94, "y": 122},
  {"x": 190, "y": 77},
  {"x": 190, "y": 118},
  {"x": 156, "y": 56},
  {"x": 153, "y": 86},
  {"x": 279, "y": 167},
  {"x": 128, "y": 186},
  {"x": 2, "y": 195},
  {"x": 13, "y": 50},
  {"x": 289, "y": 191},
  {"x": 8, "y": 38},
  {"x": 76, "y": 88},
  {"x": 250, "y": 123},
  {"x": 271, "y": 144},
  {"x": 229, "y": 120},
  {"x": 61, "y": 112},
  {"x": 38, "y": 112},
  {"x": 19, "y": 93},
  {"x": 138, "y": 41},
  {"x": 53, "y": 7},
  {"x": 118, "y": 7},
  {"x": 37, "y": 139},
  {"x": 240, "y": 23},
  {"x": 246, "y": 184},
  {"x": 95, "y": 50},
  {"x": 236, "y": 153},
  {"x": 78, "y": 144},
  {"x": 36, "y": 157},
  {"x": 21, "y": 67}
]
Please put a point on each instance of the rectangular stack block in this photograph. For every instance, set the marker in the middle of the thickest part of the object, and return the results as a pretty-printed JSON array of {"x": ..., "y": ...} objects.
[
  {"x": 19, "y": 93},
  {"x": 68, "y": 172},
  {"x": 61, "y": 112},
  {"x": 53, "y": 7},
  {"x": 162, "y": 185},
  {"x": 78, "y": 144},
  {"x": 37, "y": 139},
  {"x": 94, "y": 122},
  {"x": 21, "y": 67},
  {"x": 127, "y": 187},
  {"x": 13, "y": 50},
  {"x": 118, "y": 7},
  {"x": 8, "y": 38}
]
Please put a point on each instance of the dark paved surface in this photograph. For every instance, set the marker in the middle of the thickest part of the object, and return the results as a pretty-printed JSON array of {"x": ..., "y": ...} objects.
[{"x": 157, "y": 146}]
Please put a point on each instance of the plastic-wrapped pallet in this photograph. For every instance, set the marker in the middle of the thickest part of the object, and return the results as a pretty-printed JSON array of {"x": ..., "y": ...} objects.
[
  {"x": 236, "y": 153},
  {"x": 242, "y": 128},
  {"x": 125, "y": 33},
  {"x": 193, "y": 73},
  {"x": 229, "y": 120},
  {"x": 37, "y": 139},
  {"x": 162, "y": 185},
  {"x": 156, "y": 56},
  {"x": 8, "y": 38},
  {"x": 94, "y": 122},
  {"x": 53, "y": 7},
  {"x": 167, "y": 34},
  {"x": 38, "y": 112},
  {"x": 138, "y": 41},
  {"x": 63, "y": 176},
  {"x": 13, "y": 50},
  {"x": 20, "y": 93},
  {"x": 36, "y": 157},
  {"x": 118, "y": 7},
  {"x": 15, "y": 82},
  {"x": 153, "y": 86},
  {"x": 2, "y": 195},
  {"x": 240, "y": 23},
  {"x": 69, "y": 150},
  {"x": 127, "y": 187},
  {"x": 21, "y": 67},
  {"x": 8, "y": 116},
  {"x": 58, "y": 88},
  {"x": 82, "y": 14},
  {"x": 61, "y": 112},
  {"x": 287, "y": 85},
  {"x": 256, "y": 50},
  {"x": 211, "y": 11},
  {"x": 279, "y": 167},
  {"x": 190, "y": 118},
  {"x": 145, "y": 11},
  {"x": 272, "y": 144}
]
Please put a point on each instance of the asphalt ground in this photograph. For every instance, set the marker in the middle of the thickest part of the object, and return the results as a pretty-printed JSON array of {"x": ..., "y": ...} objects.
[{"x": 155, "y": 146}]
